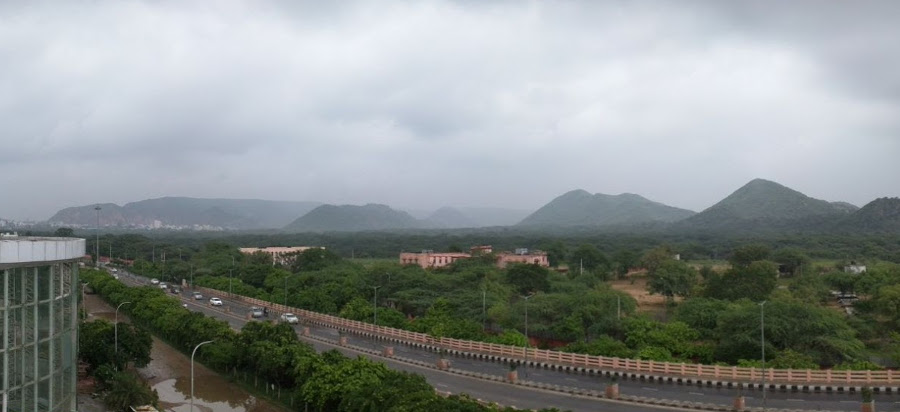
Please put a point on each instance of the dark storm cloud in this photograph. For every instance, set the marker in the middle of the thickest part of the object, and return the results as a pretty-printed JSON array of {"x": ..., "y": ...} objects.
[{"x": 425, "y": 104}]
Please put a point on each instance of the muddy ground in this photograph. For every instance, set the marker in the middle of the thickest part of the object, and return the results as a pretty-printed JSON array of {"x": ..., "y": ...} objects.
[{"x": 169, "y": 373}]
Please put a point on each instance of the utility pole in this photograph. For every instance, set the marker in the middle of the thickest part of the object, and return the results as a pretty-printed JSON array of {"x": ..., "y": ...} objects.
[
  {"x": 527, "y": 341},
  {"x": 483, "y": 308},
  {"x": 375, "y": 305},
  {"x": 97, "y": 246},
  {"x": 762, "y": 340},
  {"x": 618, "y": 307}
]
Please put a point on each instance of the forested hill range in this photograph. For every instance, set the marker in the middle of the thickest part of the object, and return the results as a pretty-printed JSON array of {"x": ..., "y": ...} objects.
[
  {"x": 187, "y": 212},
  {"x": 760, "y": 206}
]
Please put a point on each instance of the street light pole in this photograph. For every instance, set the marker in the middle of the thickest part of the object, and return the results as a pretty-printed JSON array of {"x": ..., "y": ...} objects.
[
  {"x": 762, "y": 341},
  {"x": 483, "y": 308},
  {"x": 375, "y": 305},
  {"x": 116, "y": 330},
  {"x": 97, "y": 246},
  {"x": 527, "y": 342},
  {"x": 285, "y": 292},
  {"x": 83, "y": 302},
  {"x": 192, "y": 371}
]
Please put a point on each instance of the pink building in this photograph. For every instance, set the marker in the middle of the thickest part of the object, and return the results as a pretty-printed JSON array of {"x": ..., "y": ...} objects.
[
  {"x": 280, "y": 255},
  {"x": 534, "y": 258},
  {"x": 429, "y": 259}
]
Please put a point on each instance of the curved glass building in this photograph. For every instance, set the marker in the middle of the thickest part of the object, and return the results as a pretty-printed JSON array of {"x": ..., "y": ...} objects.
[{"x": 38, "y": 322}]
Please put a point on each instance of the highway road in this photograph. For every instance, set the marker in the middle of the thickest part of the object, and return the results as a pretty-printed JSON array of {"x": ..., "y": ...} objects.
[{"x": 524, "y": 397}]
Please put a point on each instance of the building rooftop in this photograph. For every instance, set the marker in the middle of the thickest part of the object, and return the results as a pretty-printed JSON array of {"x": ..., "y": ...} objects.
[{"x": 16, "y": 249}]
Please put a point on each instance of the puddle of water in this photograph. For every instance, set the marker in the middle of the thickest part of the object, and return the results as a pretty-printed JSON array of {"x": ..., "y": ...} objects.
[{"x": 169, "y": 373}]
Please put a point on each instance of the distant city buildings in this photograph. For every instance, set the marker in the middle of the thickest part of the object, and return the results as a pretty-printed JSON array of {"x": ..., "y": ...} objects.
[
  {"x": 429, "y": 259},
  {"x": 280, "y": 255}
]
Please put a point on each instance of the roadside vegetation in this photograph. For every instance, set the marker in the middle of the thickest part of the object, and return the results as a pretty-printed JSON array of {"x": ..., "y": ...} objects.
[
  {"x": 317, "y": 382},
  {"x": 712, "y": 295}
]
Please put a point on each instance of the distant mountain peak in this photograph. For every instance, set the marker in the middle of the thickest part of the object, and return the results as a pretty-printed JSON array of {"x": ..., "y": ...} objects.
[
  {"x": 762, "y": 202},
  {"x": 351, "y": 218},
  {"x": 580, "y": 208}
]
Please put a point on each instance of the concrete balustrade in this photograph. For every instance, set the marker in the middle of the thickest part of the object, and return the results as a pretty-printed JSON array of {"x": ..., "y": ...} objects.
[{"x": 576, "y": 361}]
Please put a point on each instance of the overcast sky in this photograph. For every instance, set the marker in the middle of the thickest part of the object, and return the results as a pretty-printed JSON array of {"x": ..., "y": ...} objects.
[{"x": 422, "y": 104}]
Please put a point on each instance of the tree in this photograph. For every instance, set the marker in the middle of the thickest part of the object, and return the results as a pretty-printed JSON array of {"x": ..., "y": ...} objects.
[
  {"x": 64, "y": 232},
  {"x": 745, "y": 255},
  {"x": 793, "y": 260},
  {"x": 843, "y": 282},
  {"x": 815, "y": 331},
  {"x": 590, "y": 258},
  {"x": 755, "y": 282},
  {"x": 124, "y": 389},
  {"x": 672, "y": 278},
  {"x": 887, "y": 301},
  {"x": 653, "y": 259},
  {"x": 314, "y": 259},
  {"x": 556, "y": 253},
  {"x": 528, "y": 278},
  {"x": 624, "y": 260}
]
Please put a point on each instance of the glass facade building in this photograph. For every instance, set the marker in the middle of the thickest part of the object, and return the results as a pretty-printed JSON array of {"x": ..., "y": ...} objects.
[{"x": 38, "y": 316}]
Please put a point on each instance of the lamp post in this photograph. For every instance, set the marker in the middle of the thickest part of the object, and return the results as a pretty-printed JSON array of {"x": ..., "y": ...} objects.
[
  {"x": 83, "y": 302},
  {"x": 192, "y": 276},
  {"x": 97, "y": 245},
  {"x": 116, "y": 330},
  {"x": 375, "y": 305},
  {"x": 527, "y": 342},
  {"x": 483, "y": 308},
  {"x": 285, "y": 291},
  {"x": 192, "y": 371},
  {"x": 762, "y": 341}
]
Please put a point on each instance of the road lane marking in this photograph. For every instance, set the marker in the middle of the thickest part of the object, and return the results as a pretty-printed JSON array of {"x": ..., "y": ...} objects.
[
  {"x": 796, "y": 400},
  {"x": 650, "y": 389},
  {"x": 697, "y": 393}
]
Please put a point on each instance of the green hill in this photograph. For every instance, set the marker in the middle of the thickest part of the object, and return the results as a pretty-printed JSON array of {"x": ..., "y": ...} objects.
[
  {"x": 766, "y": 204},
  {"x": 187, "y": 211},
  {"x": 879, "y": 215},
  {"x": 580, "y": 208},
  {"x": 349, "y": 218}
]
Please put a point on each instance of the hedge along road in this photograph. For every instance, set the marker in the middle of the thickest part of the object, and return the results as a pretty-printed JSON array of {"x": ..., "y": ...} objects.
[
  {"x": 169, "y": 374},
  {"x": 709, "y": 395}
]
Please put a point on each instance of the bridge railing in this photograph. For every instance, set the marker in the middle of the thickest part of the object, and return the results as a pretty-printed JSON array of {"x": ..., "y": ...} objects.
[{"x": 683, "y": 370}]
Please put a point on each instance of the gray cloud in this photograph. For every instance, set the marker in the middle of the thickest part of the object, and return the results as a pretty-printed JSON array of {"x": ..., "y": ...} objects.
[{"x": 436, "y": 103}]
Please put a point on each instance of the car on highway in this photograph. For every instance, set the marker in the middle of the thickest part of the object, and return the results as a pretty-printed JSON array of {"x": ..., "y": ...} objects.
[
  {"x": 290, "y": 318},
  {"x": 163, "y": 285},
  {"x": 154, "y": 281},
  {"x": 256, "y": 312},
  {"x": 198, "y": 296},
  {"x": 215, "y": 301}
]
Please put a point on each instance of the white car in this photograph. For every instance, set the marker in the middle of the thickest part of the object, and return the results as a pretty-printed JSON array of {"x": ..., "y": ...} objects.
[
  {"x": 215, "y": 301},
  {"x": 154, "y": 281},
  {"x": 163, "y": 285},
  {"x": 290, "y": 318}
]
